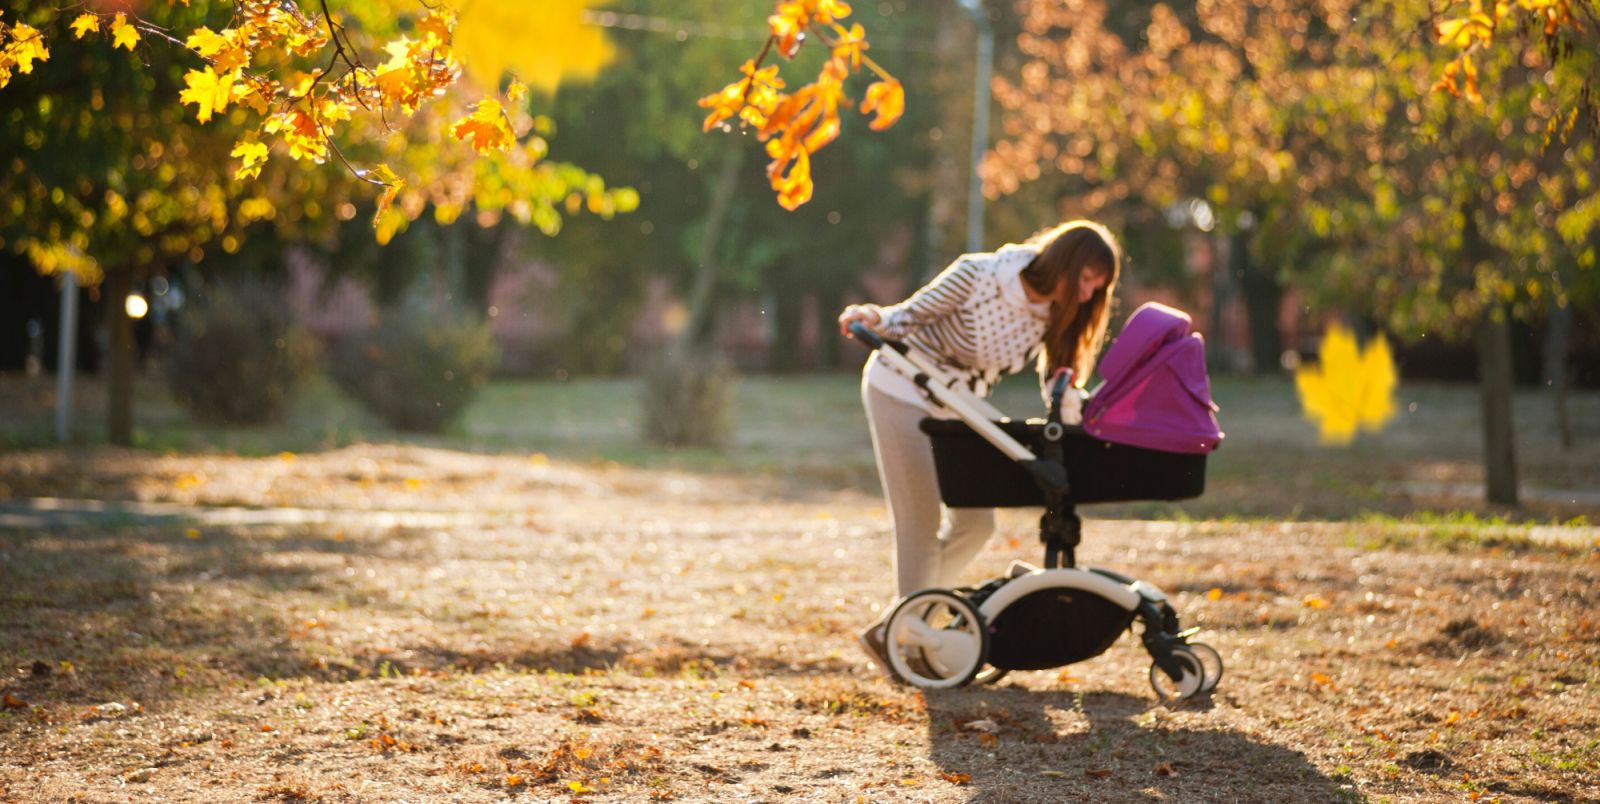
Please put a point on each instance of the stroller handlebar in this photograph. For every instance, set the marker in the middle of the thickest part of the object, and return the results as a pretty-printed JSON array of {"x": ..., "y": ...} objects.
[{"x": 872, "y": 339}]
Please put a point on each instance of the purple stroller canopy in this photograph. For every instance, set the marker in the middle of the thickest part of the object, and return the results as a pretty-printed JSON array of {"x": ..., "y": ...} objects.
[{"x": 1156, "y": 393}]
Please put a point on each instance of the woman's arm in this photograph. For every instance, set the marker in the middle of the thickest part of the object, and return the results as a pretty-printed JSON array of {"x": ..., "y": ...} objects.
[{"x": 933, "y": 301}]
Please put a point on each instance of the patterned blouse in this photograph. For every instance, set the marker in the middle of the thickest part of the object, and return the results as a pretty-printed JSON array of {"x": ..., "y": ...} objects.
[{"x": 974, "y": 318}]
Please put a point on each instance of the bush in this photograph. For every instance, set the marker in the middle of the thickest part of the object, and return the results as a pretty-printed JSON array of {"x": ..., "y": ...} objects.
[
  {"x": 239, "y": 356},
  {"x": 689, "y": 399},
  {"x": 415, "y": 373}
]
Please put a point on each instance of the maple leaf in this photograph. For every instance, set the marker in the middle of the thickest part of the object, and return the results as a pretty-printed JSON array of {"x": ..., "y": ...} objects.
[
  {"x": 26, "y": 47},
  {"x": 795, "y": 188},
  {"x": 1351, "y": 389},
  {"x": 123, "y": 35},
  {"x": 543, "y": 43},
  {"x": 485, "y": 127},
  {"x": 252, "y": 155},
  {"x": 84, "y": 25},
  {"x": 208, "y": 91}
]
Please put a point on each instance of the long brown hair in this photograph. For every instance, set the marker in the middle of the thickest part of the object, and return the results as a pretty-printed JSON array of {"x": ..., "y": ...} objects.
[{"x": 1076, "y": 331}]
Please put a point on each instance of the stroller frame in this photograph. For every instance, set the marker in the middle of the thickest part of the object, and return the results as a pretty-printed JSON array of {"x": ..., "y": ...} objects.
[{"x": 942, "y": 638}]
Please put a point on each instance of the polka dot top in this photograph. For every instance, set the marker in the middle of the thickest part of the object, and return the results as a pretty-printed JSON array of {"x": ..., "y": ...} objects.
[{"x": 974, "y": 318}]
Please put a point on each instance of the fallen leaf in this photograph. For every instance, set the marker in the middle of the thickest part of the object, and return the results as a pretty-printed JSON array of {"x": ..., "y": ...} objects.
[
  {"x": 1450, "y": 720},
  {"x": 956, "y": 778},
  {"x": 13, "y": 702},
  {"x": 1165, "y": 769},
  {"x": 579, "y": 787},
  {"x": 747, "y": 683},
  {"x": 1314, "y": 602},
  {"x": 513, "y": 780},
  {"x": 1098, "y": 773},
  {"x": 192, "y": 533},
  {"x": 1321, "y": 679},
  {"x": 1052, "y": 774},
  {"x": 986, "y": 725},
  {"x": 141, "y": 775},
  {"x": 1214, "y": 593},
  {"x": 988, "y": 740}
]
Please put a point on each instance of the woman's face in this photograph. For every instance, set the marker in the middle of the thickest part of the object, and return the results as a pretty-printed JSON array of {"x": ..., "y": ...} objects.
[{"x": 1090, "y": 281}]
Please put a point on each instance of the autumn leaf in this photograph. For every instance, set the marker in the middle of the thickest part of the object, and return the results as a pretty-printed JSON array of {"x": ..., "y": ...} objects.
[
  {"x": 1314, "y": 602},
  {"x": 1214, "y": 593},
  {"x": 888, "y": 99},
  {"x": 543, "y": 43},
  {"x": 123, "y": 35},
  {"x": 208, "y": 91},
  {"x": 1165, "y": 769},
  {"x": 84, "y": 25},
  {"x": 1351, "y": 389},
  {"x": 1322, "y": 679},
  {"x": 956, "y": 778},
  {"x": 13, "y": 702},
  {"x": 252, "y": 156},
  {"x": 485, "y": 128},
  {"x": 26, "y": 47},
  {"x": 1097, "y": 773}
]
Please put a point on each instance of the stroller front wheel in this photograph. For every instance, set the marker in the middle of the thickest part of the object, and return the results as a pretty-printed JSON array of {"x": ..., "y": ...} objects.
[
  {"x": 936, "y": 639},
  {"x": 1189, "y": 682}
]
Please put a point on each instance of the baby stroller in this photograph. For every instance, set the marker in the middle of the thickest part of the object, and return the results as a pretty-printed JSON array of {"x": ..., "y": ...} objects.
[{"x": 1145, "y": 435}]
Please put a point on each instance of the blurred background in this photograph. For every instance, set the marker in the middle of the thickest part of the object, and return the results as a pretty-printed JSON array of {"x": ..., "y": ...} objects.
[{"x": 1264, "y": 175}]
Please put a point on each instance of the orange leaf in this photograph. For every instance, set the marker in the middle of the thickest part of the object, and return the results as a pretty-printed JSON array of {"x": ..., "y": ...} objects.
[
  {"x": 13, "y": 702},
  {"x": 1214, "y": 593},
  {"x": 795, "y": 189},
  {"x": 1314, "y": 602},
  {"x": 956, "y": 778},
  {"x": 1321, "y": 679},
  {"x": 1165, "y": 769},
  {"x": 1097, "y": 773},
  {"x": 888, "y": 98},
  {"x": 486, "y": 127}
]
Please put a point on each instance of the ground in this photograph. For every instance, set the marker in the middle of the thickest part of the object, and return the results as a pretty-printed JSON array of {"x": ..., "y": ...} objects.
[
  {"x": 539, "y": 607},
  {"x": 559, "y": 630}
]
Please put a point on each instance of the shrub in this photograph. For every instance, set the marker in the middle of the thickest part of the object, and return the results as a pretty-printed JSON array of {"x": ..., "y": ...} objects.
[
  {"x": 415, "y": 373},
  {"x": 689, "y": 397},
  {"x": 239, "y": 356}
]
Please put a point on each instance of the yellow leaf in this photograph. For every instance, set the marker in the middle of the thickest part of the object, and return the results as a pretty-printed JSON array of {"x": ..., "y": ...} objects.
[
  {"x": 1314, "y": 602},
  {"x": 888, "y": 98},
  {"x": 543, "y": 43},
  {"x": 1321, "y": 679},
  {"x": 579, "y": 788},
  {"x": 252, "y": 156},
  {"x": 123, "y": 35},
  {"x": 191, "y": 533},
  {"x": 208, "y": 91},
  {"x": 84, "y": 24},
  {"x": 1214, "y": 593},
  {"x": 1351, "y": 389},
  {"x": 517, "y": 91},
  {"x": 513, "y": 780},
  {"x": 26, "y": 47},
  {"x": 486, "y": 128}
]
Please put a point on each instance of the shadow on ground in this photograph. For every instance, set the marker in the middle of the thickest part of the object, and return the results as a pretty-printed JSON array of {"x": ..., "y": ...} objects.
[{"x": 1017, "y": 744}]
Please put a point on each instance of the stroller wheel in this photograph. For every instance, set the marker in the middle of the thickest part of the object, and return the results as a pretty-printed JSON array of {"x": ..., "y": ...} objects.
[
  {"x": 1210, "y": 662},
  {"x": 936, "y": 639},
  {"x": 1184, "y": 687}
]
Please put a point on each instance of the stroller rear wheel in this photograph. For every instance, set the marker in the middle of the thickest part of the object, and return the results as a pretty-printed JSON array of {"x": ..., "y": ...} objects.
[{"x": 936, "y": 639}]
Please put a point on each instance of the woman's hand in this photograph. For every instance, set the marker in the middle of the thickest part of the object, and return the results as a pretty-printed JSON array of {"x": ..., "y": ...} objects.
[{"x": 865, "y": 313}]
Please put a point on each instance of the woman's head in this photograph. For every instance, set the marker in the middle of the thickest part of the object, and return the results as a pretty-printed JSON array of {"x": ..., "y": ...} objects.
[{"x": 1077, "y": 268}]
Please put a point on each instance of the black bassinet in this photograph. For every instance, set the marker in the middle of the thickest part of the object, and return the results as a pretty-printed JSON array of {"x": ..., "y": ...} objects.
[{"x": 974, "y": 474}]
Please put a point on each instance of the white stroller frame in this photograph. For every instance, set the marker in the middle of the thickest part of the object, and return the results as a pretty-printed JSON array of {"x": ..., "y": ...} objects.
[{"x": 940, "y": 638}]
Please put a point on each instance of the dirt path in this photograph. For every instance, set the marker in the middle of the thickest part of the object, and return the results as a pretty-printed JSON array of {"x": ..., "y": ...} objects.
[{"x": 629, "y": 636}]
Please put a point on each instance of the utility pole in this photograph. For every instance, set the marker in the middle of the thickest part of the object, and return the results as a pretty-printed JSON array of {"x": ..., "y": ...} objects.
[{"x": 980, "y": 121}]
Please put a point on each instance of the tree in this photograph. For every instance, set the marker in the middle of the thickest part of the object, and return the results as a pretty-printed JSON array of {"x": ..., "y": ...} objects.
[
  {"x": 1327, "y": 122},
  {"x": 114, "y": 182}
]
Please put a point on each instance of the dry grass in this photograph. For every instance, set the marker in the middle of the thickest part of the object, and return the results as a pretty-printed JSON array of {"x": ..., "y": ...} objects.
[{"x": 570, "y": 631}]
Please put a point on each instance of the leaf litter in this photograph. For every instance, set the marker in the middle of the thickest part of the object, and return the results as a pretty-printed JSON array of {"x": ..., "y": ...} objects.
[{"x": 475, "y": 658}]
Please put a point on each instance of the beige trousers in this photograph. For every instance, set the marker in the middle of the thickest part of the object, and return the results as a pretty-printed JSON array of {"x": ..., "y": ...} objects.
[{"x": 928, "y": 552}]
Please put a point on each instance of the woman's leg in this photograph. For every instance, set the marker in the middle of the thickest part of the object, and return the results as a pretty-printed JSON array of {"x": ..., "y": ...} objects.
[
  {"x": 966, "y": 530},
  {"x": 925, "y": 554},
  {"x": 910, "y": 488}
]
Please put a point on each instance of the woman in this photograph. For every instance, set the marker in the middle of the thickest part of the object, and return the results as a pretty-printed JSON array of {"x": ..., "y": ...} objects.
[{"x": 1045, "y": 301}]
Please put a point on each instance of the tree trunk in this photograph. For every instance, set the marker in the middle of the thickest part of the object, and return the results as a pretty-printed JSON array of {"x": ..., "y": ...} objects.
[
  {"x": 119, "y": 383},
  {"x": 1557, "y": 343},
  {"x": 698, "y": 328},
  {"x": 788, "y": 306},
  {"x": 1263, "y": 299},
  {"x": 1495, "y": 378}
]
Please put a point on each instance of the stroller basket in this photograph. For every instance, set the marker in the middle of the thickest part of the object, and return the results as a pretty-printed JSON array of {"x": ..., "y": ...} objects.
[{"x": 973, "y": 474}]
